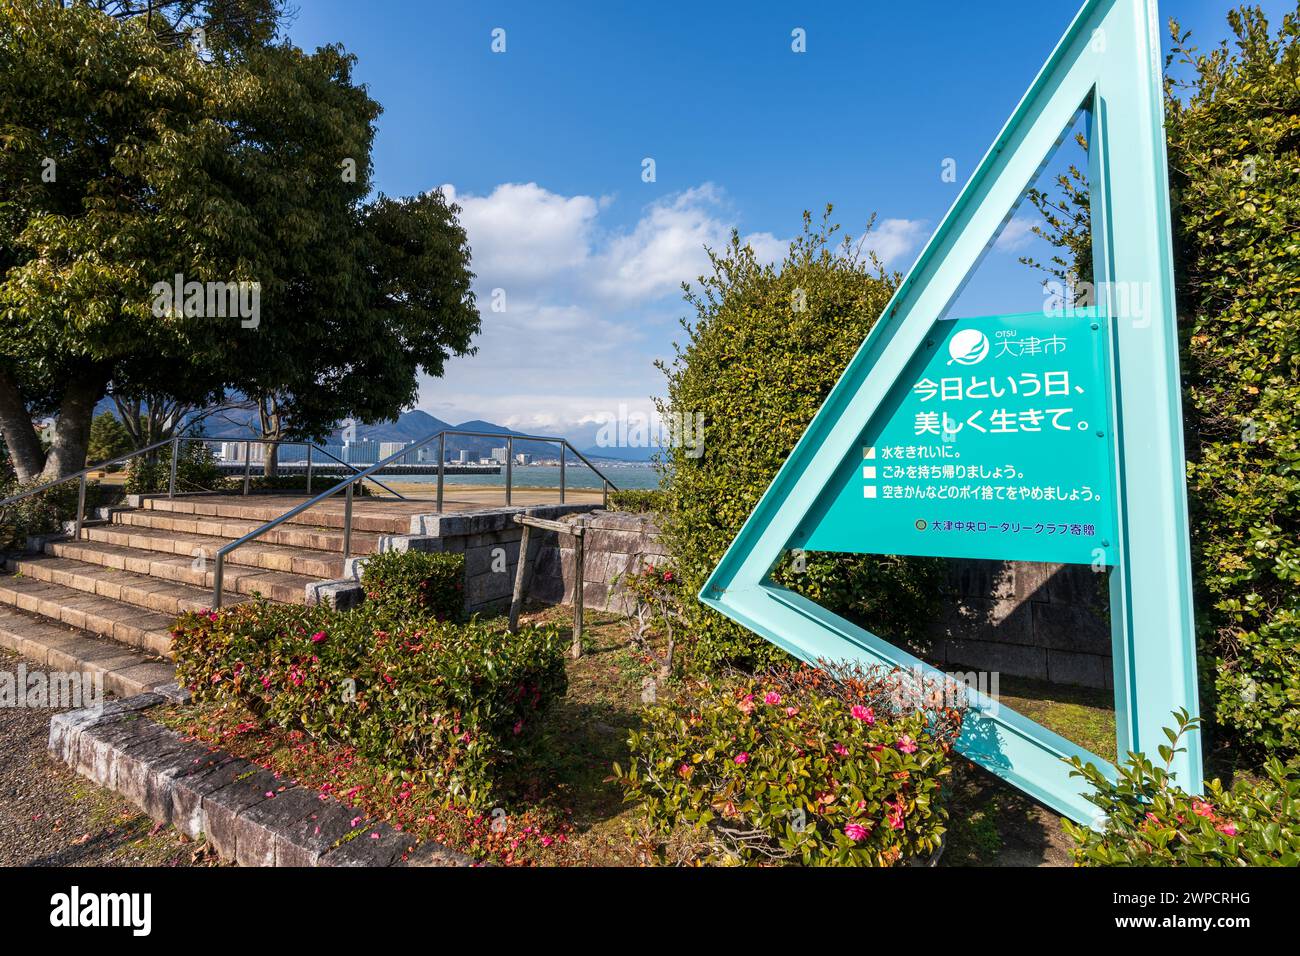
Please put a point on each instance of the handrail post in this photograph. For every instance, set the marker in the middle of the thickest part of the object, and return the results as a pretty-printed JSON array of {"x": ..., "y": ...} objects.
[
  {"x": 442, "y": 465},
  {"x": 217, "y": 575},
  {"x": 81, "y": 508},
  {"x": 347, "y": 522},
  {"x": 248, "y": 466},
  {"x": 510, "y": 462},
  {"x": 309, "y": 469},
  {"x": 564, "y": 448},
  {"x": 171, "y": 483},
  {"x": 605, "y": 499}
]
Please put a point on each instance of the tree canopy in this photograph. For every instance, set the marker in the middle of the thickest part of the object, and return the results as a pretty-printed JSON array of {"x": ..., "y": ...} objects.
[{"x": 131, "y": 163}]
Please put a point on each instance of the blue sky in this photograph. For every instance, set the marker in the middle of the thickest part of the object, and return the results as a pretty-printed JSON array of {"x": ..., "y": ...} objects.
[{"x": 543, "y": 146}]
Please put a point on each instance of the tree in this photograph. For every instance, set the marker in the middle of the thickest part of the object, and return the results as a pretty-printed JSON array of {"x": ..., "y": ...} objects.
[
  {"x": 240, "y": 171},
  {"x": 108, "y": 438},
  {"x": 103, "y": 160}
]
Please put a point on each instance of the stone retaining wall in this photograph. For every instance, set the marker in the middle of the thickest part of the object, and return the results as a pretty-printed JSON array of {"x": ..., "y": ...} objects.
[
  {"x": 615, "y": 543},
  {"x": 1045, "y": 621}
]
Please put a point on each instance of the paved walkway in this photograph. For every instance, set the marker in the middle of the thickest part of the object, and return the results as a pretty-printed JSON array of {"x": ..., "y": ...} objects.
[{"x": 49, "y": 816}]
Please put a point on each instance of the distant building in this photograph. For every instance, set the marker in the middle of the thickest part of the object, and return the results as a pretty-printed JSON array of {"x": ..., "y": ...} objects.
[
  {"x": 523, "y": 458},
  {"x": 463, "y": 458},
  {"x": 362, "y": 452},
  {"x": 499, "y": 455}
]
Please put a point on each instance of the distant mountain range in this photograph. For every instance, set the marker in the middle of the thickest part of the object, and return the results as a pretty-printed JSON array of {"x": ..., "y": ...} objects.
[{"x": 414, "y": 425}]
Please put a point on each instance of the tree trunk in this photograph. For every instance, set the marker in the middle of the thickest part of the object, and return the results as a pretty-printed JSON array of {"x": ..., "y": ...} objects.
[
  {"x": 20, "y": 435},
  {"x": 72, "y": 427},
  {"x": 268, "y": 414}
]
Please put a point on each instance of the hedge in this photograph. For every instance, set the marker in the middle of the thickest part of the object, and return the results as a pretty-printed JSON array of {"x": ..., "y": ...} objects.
[
  {"x": 1235, "y": 172},
  {"x": 435, "y": 701},
  {"x": 765, "y": 347},
  {"x": 407, "y": 583}
]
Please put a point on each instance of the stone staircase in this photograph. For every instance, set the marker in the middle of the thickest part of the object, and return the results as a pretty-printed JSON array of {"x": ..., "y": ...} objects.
[{"x": 112, "y": 595}]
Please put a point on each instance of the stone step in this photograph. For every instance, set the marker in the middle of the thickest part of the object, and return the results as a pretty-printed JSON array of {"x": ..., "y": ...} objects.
[
  {"x": 231, "y": 529},
  {"x": 256, "y": 553},
  {"x": 380, "y": 516},
  {"x": 99, "y": 615},
  {"x": 152, "y": 594},
  {"x": 281, "y": 586},
  {"x": 57, "y": 647}
]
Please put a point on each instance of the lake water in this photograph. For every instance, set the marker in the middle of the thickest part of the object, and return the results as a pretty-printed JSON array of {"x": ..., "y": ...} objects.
[{"x": 625, "y": 476}]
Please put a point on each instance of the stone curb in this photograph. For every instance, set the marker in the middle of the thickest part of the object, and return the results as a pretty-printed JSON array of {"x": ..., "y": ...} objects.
[{"x": 236, "y": 805}]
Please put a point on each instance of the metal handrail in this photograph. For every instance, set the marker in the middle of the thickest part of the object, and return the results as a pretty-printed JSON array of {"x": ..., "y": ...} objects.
[
  {"x": 310, "y": 446},
  {"x": 81, "y": 490},
  {"x": 346, "y": 486}
]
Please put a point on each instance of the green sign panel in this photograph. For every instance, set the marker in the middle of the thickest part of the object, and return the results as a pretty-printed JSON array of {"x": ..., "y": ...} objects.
[{"x": 995, "y": 443}]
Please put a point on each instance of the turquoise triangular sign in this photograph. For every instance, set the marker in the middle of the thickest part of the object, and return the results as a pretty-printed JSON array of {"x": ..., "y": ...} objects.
[{"x": 1039, "y": 437}]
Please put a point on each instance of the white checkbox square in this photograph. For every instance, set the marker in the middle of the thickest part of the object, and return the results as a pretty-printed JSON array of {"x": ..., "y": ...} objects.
[
  {"x": 869, "y": 454},
  {"x": 869, "y": 491},
  {"x": 869, "y": 472}
]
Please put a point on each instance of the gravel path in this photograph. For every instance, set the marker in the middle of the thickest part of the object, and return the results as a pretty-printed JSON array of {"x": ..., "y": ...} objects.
[{"x": 50, "y": 816}]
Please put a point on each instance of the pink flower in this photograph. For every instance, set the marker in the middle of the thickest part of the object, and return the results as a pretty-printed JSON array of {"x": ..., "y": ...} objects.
[
  {"x": 791, "y": 711},
  {"x": 1202, "y": 809},
  {"x": 318, "y": 637},
  {"x": 895, "y": 814},
  {"x": 906, "y": 744},
  {"x": 356, "y": 820},
  {"x": 772, "y": 698},
  {"x": 1227, "y": 829},
  {"x": 519, "y": 726},
  {"x": 840, "y": 749},
  {"x": 746, "y": 704},
  {"x": 742, "y": 757},
  {"x": 855, "y": 832},
  {"x": 864, "y": 714}
]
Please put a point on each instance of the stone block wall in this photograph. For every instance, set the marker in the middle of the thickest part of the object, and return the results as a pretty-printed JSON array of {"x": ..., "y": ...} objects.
[
  {"x": 615, "y": 543},
  {"x": 1045, "y": 621},
  {"x": 489, "y": 539}
]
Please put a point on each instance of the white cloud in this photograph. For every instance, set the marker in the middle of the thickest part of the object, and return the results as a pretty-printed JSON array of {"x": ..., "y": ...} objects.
[
  {"x": 522, "y": 232},
  {"x": 587, "y": 307},
  {"x": 892, "y": 239},
  {"x": 1016, "y": 235}
]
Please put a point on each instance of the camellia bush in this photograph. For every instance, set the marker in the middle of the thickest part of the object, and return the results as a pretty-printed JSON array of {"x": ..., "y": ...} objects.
[
  {"x": 1148, "y": 821},
  {"x": 795, "y": 766},
  {"x": 434, "y": 701},
  {"x": 407, "y": 583},
  {"x": 765, "y": 347}
]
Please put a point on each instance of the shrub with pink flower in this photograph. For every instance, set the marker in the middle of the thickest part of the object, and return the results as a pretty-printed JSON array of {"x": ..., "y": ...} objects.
[
  {"x": 1151, "y": 821},
  {"x": 868, "y": 791}
]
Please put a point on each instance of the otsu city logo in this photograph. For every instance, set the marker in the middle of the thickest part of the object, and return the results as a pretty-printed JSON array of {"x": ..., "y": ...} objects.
[{"x": 968, "y": 347}]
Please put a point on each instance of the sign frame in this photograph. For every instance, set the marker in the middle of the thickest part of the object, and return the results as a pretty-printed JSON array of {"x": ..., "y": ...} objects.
[{"x": 1109, "y": 64}]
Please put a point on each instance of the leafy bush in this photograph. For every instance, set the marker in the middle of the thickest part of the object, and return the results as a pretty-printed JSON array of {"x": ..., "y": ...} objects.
[
  {"x": 795, "y": 766},
  {"x": 639, "y": 500},
  {"x": 43, "y": 513},
  {"x": 657, "y": 611},
  {"x": 1236, "y": 192},
  {"x": 407, "y": 583},
  {"x": 765, "y": 348},
  {"x": 196, "y": 470},
  {"x": 1150, "y": 822},
  {"x": 435, "y": 701}
]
